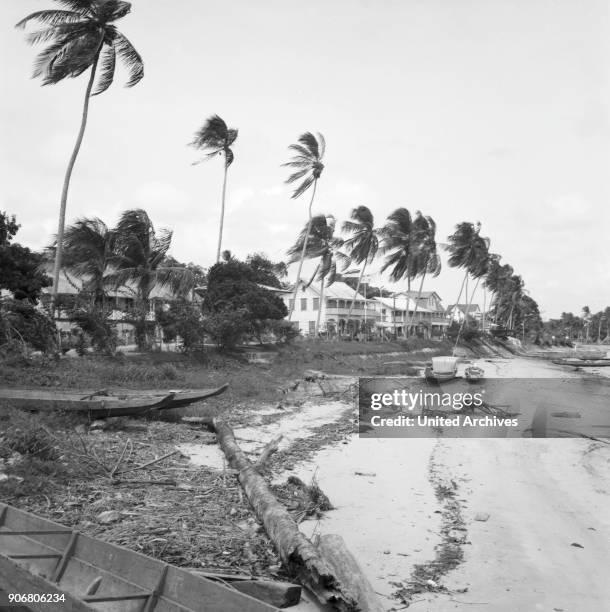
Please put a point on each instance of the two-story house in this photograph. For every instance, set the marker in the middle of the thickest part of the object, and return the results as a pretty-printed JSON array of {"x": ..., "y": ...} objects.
[
  {"x": 457, "y": 312},
  {"x": 334, "y": 306}
]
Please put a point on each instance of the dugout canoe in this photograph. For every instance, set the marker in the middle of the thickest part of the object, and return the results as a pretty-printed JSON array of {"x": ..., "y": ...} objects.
[
  {"x": 58, "y": 569},
  {"x": 105, "y": 403},
  {"x": 580, "y": 363}
]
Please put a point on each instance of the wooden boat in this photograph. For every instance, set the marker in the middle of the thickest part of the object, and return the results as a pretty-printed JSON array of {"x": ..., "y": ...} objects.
[
  {"x": 580, "y": 363},
  {"x": 441, "y": 369},
  {"x": 102, "y": 404},
  {"x": 57, "y": 569},
  {"x": 474, "y": 373}
]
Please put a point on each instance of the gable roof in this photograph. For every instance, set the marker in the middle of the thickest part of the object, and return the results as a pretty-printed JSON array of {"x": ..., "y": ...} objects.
[
  {"x": 464, "y": 308},
  {"x": 400, "y": 303}
]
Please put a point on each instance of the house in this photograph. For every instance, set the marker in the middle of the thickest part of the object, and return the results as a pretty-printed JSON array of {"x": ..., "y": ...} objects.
[
  {"x": 333, "y": 308},
  {"x": 457, "y": 312},
  {"x": 426, "y": 314}
]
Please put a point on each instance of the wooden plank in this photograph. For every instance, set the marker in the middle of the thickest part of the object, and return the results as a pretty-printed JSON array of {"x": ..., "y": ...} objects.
[
  {"x": 15, "y": 579},
  {"x": 65, "y": 558}
]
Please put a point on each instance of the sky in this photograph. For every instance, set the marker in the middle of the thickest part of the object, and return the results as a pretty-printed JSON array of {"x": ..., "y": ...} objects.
[{"x": 495, "y": 111}]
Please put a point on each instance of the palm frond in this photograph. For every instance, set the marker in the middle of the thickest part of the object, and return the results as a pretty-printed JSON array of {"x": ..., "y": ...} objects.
[
  {"x": 51, "y": 18},
  {"x": 106, "y": 76},
  {"x": 131, "y": 59},
  {"x": 303, "y": 187},
  {"x": 308, "y": 140}
]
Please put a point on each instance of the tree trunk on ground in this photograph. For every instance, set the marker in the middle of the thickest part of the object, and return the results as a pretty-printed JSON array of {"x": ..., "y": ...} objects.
[
  {"x": 222, "y": 212},
  {"x": 303, "y": 252},
  {"x": 299, "y": 556},
  {"x": 66, "y": 186}
]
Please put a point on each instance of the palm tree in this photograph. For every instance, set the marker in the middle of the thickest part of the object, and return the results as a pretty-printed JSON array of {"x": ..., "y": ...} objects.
[
  {"x": 307, "y": 159},
  {"x": 139, "y": 263},
  {"x": 318, "y": 235},
  {"x": 497, "y": 280},
  {"x": 426, "y": 257},
  {"x": 89, "y": 252},
  {"x": 81, "y": 37},
  {"x": 468, "y": 250},
  {"x": 215, "y": 138},
  {"x": 363, "y": 244}
]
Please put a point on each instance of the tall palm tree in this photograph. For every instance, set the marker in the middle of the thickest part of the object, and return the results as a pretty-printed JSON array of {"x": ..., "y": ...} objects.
[
  {"x": 307, "y": 160},
  {"x": 321, "y": 243},
  {"x": 363, "y": 244},
  {"x": 215, "y": 138},
  {"x": 496, "y": 281},
  {"x": 470, "y": 251},
  {"x": 89, "y": 252},
  {"x": 426, "y": 257},
  {"x": 82, "y": 36}
]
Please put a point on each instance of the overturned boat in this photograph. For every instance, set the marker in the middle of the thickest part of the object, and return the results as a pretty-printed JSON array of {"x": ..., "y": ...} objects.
[{"x": 441, "y": 369}]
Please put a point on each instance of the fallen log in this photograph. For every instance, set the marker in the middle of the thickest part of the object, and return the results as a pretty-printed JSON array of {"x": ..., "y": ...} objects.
[
  {"x": 269, "y": 449},
  {"x": 297, "y": 553},
  {"x": 335, "y": 552}
]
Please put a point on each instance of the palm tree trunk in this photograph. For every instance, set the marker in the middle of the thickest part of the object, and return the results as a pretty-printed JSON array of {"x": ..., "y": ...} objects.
[
  {"x": 303, "y": 251},
  {"x": 351, "y": 307},
  {"x": 64, "y": 192},
  {"x": 459, "y": 295},
  {"x": 421, "y": 285},
  {"x": 222, "y": 213},
  {"x": 320, "y": 306},
  {"x": 465, "y": 317}
]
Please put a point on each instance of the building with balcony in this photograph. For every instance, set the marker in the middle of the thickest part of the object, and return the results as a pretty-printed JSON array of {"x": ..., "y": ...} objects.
[
  {"x": 399, "y": 311},
  {"x": 335, "y": 304}
]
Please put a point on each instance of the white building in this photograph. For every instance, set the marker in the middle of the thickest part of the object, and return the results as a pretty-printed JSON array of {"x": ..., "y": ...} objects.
[
  {"x": 399, "y": 311},
  {"x": 335, "y": 308}
]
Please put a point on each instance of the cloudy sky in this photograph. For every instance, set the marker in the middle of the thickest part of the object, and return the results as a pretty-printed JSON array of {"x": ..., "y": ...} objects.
[{"x": 482, "y": 110}]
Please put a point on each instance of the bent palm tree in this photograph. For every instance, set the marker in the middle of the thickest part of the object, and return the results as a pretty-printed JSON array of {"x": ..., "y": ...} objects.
[
  {"x": 80, "y": 38},
  {"x": 321, "y": 243},
  {"x": 362, "y": 245},
  {"x": 89, "y": 252},
  {"x": 468, "y": 250},
  {"x": 427, "y": 259},
  {"x": 307, "y": 159},
  {"x": 140, "y": 253},
  {"x": 215, "y": 138}
]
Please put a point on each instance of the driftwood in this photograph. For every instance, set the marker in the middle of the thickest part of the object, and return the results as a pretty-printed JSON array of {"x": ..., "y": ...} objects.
[
  {"x": 299, "y": 556},
  {"x": 269, "y": 449},
  {"x": 335, "y": 552},
  {"x": 278, "y": 594}
]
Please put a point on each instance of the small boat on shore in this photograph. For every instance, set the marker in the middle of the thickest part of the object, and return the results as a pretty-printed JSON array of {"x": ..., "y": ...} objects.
[
  {"x": 474, "y": 373},
  {"x": 104, "y": 403},
  {"x": 54, "y": 568},
  {"x": 441, "y": 369},
  {"x": 583, "y": 363}
]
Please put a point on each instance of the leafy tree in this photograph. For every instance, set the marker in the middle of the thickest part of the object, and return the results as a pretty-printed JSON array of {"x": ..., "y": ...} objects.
[
  {"x": 182, "y": 320},
  {"x": 307, "y": 161},
  {"x": 363, "y": 243},
  {"x": 23, "y": 325},
  {"x": 215, "y": 138},
  {"x": 265, "y": 271},
  {"x": 80, "y": 37},
  {"x": 20, "y": 268},
  {"x": 94, "y": 321}
]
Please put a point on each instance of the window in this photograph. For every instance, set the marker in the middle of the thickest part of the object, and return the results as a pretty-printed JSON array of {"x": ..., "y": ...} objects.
[
  {"x": 312, "y": 328},
  {"x": 316, "y": 303},
  {"x": 291, "y": 304},
  {"x": 303, "y": 303}
]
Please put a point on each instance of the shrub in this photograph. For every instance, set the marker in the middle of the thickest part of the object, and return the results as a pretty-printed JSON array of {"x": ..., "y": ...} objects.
[
  {"x": 185, "y": 321},
  {"x": 226, "y": 327},
  {"x": 284, "y": 331},
  {"x": 95, "y": 322},
  {"x": 21, "y": 322}
]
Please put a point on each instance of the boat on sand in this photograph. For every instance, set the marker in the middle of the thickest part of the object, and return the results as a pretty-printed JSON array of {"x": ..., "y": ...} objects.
[{"x": 441, "y": 369}]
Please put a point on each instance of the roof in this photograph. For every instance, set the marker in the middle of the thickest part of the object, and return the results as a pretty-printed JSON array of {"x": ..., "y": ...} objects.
[
  {"x": 464, "y": 308},
  {"x": 424, "y": 294},
  {"x": 400, "y": 303},
  {"x": 337, "y": 291}
]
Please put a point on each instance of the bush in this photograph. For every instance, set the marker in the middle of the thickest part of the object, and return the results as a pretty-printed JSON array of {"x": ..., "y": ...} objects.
[
  {"x": 284, "y": 331},
  {"x": 227, "y": 328},
  {"x": 469, "y": 332},
  {"x": 95, "y": 322},
  {"x": 22, "y": 323},
  {"x": 185, "y": 321}
]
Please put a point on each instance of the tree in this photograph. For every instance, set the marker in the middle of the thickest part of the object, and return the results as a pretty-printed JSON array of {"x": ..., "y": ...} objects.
[
  {"x": 265, "y": 271},
  {"x": 89, "y": 250},
  {"x": 470, "y": 251},
  {"x": 81, "y": 38},
  {"x": 425, "y": 254},
  {"x": 138, "y": 261},
  {"x": 233, "y": 295},
  {"x": 497, "y": 280},
  {"x": 307, "y": 159},
  {"x": 20, "y": 268},
  {"x": 363, "y": 244},
  {"x": 320, "y": 243},
  {"x": 215, "y": 138}
]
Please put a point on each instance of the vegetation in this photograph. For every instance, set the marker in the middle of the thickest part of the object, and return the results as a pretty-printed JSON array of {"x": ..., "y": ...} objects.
[
  {"x": 215, "y": 138},
  {"x": 81, "y": 38}
]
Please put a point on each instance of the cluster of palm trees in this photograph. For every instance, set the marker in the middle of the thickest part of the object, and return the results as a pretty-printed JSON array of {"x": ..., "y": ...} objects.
[{"x": 133, "y": 255}]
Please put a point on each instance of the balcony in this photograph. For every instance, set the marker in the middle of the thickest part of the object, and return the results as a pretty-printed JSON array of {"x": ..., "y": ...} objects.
[{"x": 357, "y": 313}]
